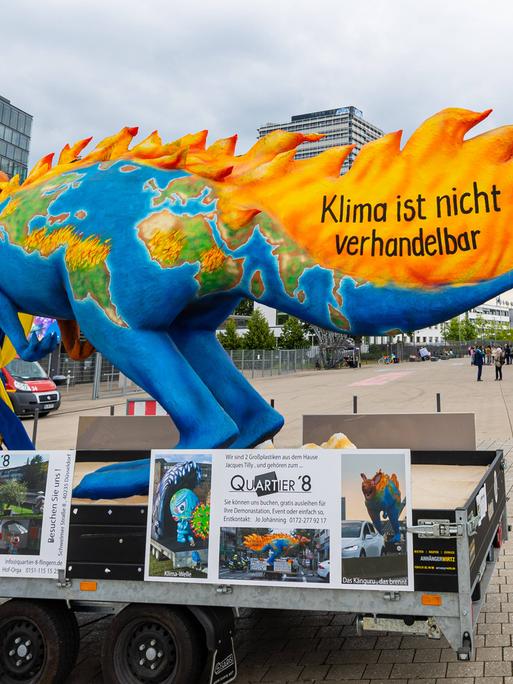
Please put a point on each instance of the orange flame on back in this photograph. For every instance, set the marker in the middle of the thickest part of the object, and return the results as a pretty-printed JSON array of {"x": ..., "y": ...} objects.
[{"x": 268, "y": 178}]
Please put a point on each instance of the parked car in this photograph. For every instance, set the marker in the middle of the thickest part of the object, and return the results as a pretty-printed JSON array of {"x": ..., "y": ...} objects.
[
  {"x": 30, "y": 388},
  {"x": 360, "y": 538},
  {"x": 323, "y": 570}
]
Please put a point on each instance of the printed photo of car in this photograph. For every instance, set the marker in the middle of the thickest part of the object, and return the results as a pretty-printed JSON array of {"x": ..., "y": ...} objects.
[
  {"x": 324, "y": 570},
  {"x": 360, "y": 540}
]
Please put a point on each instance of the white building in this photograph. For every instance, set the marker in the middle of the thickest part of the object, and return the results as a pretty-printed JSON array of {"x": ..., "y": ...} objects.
[
  {"x": 342, "y": 126},
  {"x": 497, "y": 310}
]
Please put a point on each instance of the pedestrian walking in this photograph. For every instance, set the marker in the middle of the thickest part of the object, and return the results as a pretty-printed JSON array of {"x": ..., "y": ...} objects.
[
  {"x": 488, "y": 352},
  {"x": 478, "y": 361},
  {"x": 507, "y": 353},
  {"x": 498, "y": 361}
]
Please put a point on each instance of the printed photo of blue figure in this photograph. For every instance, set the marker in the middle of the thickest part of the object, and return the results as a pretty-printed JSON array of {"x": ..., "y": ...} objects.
[{"x": 180, "y": 516}]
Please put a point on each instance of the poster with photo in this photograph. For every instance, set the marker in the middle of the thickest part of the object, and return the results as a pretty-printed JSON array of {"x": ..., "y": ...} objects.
[
  {"x": 179, "y": 516},
  {"x": 273, "y": 516},
  {"x": 325, "y": 518},
  {"x": 35, "y": 494},
  {"x": 376, "y": 508}
]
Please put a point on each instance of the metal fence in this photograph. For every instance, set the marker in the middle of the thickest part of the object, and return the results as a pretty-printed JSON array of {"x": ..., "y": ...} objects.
[
  {"x": 267, "y": 362},
  {"x": 98, "y": 378},
  {"x": 405, "y": 351}
]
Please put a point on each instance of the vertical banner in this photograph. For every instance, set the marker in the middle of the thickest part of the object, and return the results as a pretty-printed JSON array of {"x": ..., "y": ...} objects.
[
  {"x": 35, "y": 495},
  {"x": 310, "y": 517},
  {"x": 178, "y": 533}
]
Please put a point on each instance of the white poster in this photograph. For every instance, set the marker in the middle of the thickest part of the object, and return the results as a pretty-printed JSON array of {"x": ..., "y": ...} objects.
[
  {"x": 35, "y": 495},
  {"x": 311, "y": 517},
  {"x": 275, "y": 517}
]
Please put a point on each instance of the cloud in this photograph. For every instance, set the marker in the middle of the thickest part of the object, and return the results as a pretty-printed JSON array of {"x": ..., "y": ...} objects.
[{"x": 91, "y": 68}]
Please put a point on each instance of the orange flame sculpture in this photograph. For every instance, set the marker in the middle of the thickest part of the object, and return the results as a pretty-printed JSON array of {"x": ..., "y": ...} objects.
[{"x": 449, "y": 193}]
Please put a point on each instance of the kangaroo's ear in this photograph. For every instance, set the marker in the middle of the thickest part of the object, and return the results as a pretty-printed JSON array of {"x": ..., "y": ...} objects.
[
  {"x": 377, "y": 477},
  {"x": 363, "y": 476}
]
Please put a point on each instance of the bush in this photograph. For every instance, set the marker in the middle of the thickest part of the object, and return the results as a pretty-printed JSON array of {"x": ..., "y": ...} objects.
[
  {"x": 229, "y": 338},
  {"x": 259, "y": 335}
]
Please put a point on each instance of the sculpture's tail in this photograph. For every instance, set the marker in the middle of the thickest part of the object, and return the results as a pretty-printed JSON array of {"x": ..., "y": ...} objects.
[{"x": 77, "y": 349}]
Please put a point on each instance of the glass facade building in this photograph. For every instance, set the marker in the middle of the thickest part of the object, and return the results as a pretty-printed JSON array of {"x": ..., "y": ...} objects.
[
  {"x": 342, "y": 126},
  {"x": 15, "y": 129}
]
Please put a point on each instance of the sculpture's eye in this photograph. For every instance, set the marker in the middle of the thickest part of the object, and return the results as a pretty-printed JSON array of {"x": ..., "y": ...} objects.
[{"x": 181, "y": 507}]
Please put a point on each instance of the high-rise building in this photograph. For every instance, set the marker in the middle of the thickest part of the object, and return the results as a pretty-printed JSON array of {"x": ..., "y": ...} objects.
[
  {"x": 15, "y": 128},
  {"x": 342, "y": 126}
]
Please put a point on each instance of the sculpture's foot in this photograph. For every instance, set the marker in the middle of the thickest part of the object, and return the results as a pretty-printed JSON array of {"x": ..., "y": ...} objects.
[
  {"x": 218, "y": 435},
  {"x": 259, "y": 429}
]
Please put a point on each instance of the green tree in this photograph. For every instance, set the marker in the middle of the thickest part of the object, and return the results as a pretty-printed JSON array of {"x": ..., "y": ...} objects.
[
  {"x": 452, "y": 330},
  {"x": 478, "y": 328},
  {"x": 229, "y": 338},
  {"x": 34, "y": 473},
  {"x": 497, "y": 331},
  {"x": 462, "y": 329},
  {"x": 293, "y": 334},
  {"x": 12, "y": 493},
  {"x": 259, "y": 335},
  {"x": 244, "y": 308}
]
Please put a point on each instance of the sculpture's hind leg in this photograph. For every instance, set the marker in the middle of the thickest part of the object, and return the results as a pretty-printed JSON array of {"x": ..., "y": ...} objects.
[
  {"x": 393, "y": 516},
  {"x": 255, "y": 418},
  {"x": 152, "y": 360}
]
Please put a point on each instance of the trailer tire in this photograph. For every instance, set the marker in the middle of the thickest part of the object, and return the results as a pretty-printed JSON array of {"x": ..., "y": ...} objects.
[
  {"x": 145, "y": 636},
  {"x": 36, "y": 642},
  {"x": 74, "y": 631}
]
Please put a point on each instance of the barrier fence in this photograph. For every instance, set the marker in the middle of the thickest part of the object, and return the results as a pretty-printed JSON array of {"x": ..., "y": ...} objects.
[
  {"x": 98, "y": 378},
  {"x": 262, "y": 362}
]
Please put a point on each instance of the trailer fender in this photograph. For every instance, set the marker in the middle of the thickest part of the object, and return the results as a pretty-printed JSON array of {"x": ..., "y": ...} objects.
[{"x": 218, "y": 624}]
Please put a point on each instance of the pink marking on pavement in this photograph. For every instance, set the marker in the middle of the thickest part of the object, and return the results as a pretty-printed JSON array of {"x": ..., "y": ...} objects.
[{"x": 382, "y": 379}]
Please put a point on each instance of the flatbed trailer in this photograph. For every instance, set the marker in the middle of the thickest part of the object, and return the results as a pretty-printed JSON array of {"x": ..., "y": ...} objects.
[{"x": 183, "y": 632}]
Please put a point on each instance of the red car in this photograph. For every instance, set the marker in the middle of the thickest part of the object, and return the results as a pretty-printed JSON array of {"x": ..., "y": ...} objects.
[{"x": 30, "y": 388}]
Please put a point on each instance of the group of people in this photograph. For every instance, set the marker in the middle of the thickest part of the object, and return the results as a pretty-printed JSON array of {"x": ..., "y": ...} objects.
[{"x": 488, "y": 356}]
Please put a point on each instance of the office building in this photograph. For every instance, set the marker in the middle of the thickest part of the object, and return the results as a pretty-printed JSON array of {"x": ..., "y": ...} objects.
[
  {"x": 342, "y": 126},
  {"x": 15, "y": 129}
]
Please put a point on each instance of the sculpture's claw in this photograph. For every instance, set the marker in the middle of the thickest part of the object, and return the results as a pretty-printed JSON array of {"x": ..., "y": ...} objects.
[{"x": 37, "y": 349}]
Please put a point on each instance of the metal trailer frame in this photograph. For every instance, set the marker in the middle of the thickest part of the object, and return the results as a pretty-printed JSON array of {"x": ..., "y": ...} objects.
[
  {"x": 452, "y": 611},
  {"x": 401, "y": 611}
]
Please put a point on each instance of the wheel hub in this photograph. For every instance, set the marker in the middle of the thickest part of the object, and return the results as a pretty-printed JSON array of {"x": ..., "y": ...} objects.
[
  {"x": 151, "y": 652},
  {"x": 22, "y": 650}
]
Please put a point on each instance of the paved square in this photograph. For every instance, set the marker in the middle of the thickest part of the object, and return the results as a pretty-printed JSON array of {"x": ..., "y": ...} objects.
[{"x": 278, "y": 647}]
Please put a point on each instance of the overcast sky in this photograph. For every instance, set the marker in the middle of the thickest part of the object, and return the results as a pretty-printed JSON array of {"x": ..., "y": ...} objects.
[{"x": 89, "y": 68}]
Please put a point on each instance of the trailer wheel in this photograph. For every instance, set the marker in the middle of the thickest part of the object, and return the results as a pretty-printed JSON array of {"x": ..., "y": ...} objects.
[
  {"x": 74, "y": 631},
  {"x": 36, "y": 642},
  {"x": 154, "y": 644}
]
